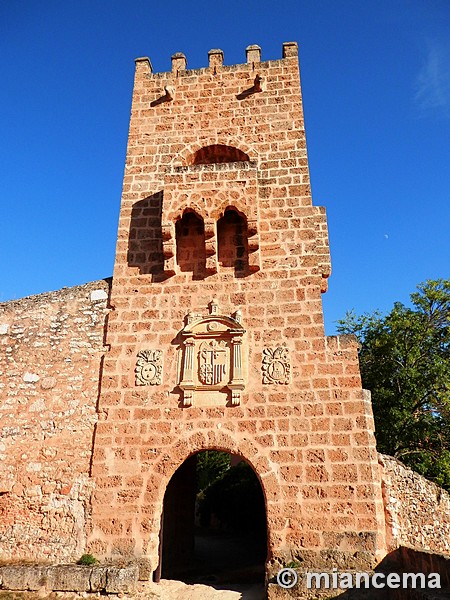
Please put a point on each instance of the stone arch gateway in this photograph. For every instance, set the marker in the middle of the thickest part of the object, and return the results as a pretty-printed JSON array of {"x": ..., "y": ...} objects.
[
  {"x": 153, "y": 487},
  {"x": 214, "y": 521}
]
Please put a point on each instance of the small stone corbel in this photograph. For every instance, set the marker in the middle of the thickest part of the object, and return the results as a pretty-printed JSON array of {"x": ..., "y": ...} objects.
[
  {"x": 168, "y": 96},
  {"x": 256, "y": 87},
  {"x": 235, "y": 397},
  {"x": 170, "y": 92},
  {"x": 187, "y": 398}
]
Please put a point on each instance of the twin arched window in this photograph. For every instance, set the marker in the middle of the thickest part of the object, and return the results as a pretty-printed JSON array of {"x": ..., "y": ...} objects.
[
  {"x": 232, "y": 230},
  {"x": 232, "y": 243}
]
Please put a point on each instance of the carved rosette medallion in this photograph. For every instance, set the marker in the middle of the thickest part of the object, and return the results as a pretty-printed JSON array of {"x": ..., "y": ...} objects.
[
  {"x": 211, "y": 370},
  {"x": 149, "y": 367},
  {"x": 276, "y": 365}
]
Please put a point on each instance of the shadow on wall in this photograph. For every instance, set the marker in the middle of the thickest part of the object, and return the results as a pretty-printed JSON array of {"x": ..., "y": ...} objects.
[
  {"x": 401, "y": 561},
  {"x": 145, "y": 247}
]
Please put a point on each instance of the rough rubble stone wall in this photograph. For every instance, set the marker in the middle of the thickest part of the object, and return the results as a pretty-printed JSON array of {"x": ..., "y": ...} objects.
[
  {"x": 417, "y": 510},
  {"x": 310, "y": 440},
  {"x": 51, "y": 347}
]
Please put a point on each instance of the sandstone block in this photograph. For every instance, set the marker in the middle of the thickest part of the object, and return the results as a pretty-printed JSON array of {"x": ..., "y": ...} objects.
[
  {"x": 121, "y": 580},
  {"x": 69, "y": 578},
  {"x": 97, "y": 295},
  {"x": 23, "y": 577},
  {"x": 97, "y": 579},
  {"x": 145, "y": 569}
]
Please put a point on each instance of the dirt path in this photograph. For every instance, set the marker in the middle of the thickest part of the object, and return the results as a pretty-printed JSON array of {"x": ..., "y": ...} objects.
[{"x": 168, "y": 589}]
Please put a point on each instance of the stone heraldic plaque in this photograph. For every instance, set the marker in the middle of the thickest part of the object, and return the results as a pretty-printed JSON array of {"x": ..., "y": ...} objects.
[{"x": 211, "y": 366}]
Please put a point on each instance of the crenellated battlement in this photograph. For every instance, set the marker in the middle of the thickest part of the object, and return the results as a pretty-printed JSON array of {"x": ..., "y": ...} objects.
[{"x": 216, "y": 60}]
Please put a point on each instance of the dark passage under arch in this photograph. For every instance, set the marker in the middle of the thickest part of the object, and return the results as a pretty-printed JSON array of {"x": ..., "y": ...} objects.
[{"x": 214, "y": 527}]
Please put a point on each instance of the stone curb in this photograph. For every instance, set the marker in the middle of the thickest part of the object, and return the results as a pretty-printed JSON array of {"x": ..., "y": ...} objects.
[{"x": 70, "y": 578}]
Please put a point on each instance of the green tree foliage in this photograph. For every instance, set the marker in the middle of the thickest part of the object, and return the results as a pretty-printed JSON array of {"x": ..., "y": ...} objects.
[
  {"x": 211, "y": 466},
  {"x": 405, "y": 363}
]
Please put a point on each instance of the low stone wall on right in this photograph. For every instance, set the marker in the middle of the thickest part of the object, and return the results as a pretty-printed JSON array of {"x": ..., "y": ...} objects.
[{"x": 417, "y": 510}]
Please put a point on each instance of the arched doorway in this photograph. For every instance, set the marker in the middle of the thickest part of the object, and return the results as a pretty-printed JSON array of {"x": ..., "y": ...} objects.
[{"x": 214, "y": 526}]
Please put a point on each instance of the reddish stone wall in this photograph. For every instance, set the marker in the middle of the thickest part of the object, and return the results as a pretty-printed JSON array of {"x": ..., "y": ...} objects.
[
  {"x": 51, "y": 348},
  {"x": 417, "y": 510},
  {"x": 309, "y": 439}
]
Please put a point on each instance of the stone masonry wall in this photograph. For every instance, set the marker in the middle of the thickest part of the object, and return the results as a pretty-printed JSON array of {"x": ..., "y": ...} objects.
[
  {"x": 417, "y": 510},
  {"x": 309, "y": 437},
  {"x": 51, "y": 346}
]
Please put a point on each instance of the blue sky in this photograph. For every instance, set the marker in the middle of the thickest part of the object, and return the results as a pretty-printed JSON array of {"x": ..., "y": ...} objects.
[{"x": 376, "y": 90}]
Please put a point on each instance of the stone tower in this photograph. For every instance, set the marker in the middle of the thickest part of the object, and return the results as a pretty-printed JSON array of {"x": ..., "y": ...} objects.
[{"x": 216, "y": 336}]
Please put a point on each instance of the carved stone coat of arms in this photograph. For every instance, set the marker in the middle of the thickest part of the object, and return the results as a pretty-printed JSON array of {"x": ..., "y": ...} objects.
[
  {"x": 212, "y": 358},
  {"x": 211, "y": 367}
]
